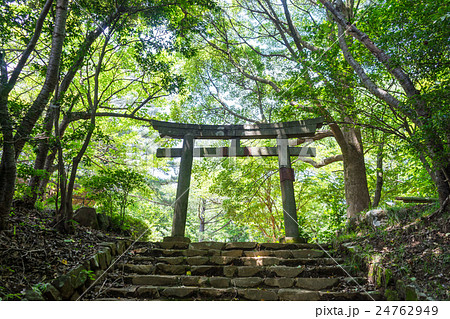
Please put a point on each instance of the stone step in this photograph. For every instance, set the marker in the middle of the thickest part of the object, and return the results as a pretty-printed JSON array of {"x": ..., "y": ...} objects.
[
  {"x": 233, "y": 293},
  {"x": 243, "y": 282},
  {"x": 232, "y": 246},
  {"x": 268, "y": 270},
  {"x": 297, "y": 253},
  {"x": 223, "y": 260}
]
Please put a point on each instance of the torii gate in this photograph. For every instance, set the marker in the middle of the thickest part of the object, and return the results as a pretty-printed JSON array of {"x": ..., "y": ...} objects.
[{"x": 279, "y": 131}]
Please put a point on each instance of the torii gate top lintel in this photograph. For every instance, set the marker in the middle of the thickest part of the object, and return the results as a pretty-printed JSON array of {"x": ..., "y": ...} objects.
[{"x": 293, "y": 129}]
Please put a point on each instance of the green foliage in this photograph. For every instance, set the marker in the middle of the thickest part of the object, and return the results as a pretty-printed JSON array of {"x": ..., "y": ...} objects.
[{"x": 111, "y": 188}]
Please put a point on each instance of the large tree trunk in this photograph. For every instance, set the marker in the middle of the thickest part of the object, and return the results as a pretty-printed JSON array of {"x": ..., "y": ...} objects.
[
  {"x": 51, "y": 79},
  {"x": 355, "y": 179},
  {"x": 8, "y": 164}
]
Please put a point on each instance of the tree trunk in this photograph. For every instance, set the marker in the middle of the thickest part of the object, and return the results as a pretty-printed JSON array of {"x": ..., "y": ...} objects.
[
  {"x": 34, "y": 112},
  {"x": 41, "y": 156},
  {"x": 8, "y": 164},
  {"x": 355, "y": 179}
]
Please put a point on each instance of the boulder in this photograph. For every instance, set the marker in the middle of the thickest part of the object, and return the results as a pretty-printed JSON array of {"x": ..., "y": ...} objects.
[
  {"x": 375, "y": 217},
  {"x": 86, "y": 216},
  {"x": 104, "y": 222}
]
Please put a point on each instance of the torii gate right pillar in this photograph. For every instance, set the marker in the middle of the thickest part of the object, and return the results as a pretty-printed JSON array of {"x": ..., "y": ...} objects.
[{"x": 287, "y": 178}]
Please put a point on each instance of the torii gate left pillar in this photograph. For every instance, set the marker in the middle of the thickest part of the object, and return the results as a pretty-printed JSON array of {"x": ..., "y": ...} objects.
[{"x": 184, "y": 183}]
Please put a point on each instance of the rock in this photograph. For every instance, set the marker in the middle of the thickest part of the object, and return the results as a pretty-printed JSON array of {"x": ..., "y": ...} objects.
[
  {"x": 316, "y": 283},
  {"x": 219, "y": 282},
  {"x": 247, "y": 271},
  {"x": 75, "y": 296},
  {"x": 120, "y": 247},
  {"x": 63, "y": 284},
  {"x": 272, "y": 246},
  {"x": 260, "y": 261},
  {"x": 173, "y": 245},
  {"x": 217, "y": 294},
  {"x": 111, "y": 246},
  {"x": 283, "y": 271},
  {"x": 86, "y": 216},
  {"x": 375, "y": 217},
  {"x": 307, "y": 253},
  {"x": 78, "y": 276},
  {"x": 222, "y": 260},
  {"x": 148, "y": 292},
  {"x": 279, "y": 282},
  {"x": 94, "y": 262},
  {"x": 206, "y": 270},
  {"x": 153, "y": 280},
  {"x": 139, "y": 269},
  {"x": 229, "y": 271},
  {"x": 401, "y": 288},
  {"x": 179, "y": 239},
  {"x": 199, "y": 281},
  {"x": 108, "y": 255},
  {"x": 232, "y": 253},
  {"x": 104, "y": 222},
  {"x": 207, "y": 245},
  {"x": 169, "y": 252},
  {"x": 101, "y": 255},
  {"x": 195, "y": 252},
  {"x": 411, "y": 293},
  {"x": 32, "y": 295},
  {"x": 241, "y": 245},
  {"x": 51, "y": 293},
  {"x": 256, "y": 294},
  {"x": 199, "y": 260},
  {"x": 261, "y": 253},
  {"x": 282, "y": 253},
  {"x": 246, "y": 282},
  {"x": 298, "y": 295},
  {"x": 179, "y": 292},
  {"x": 171, "y": 269},
  {"x": 391, "y": 295},
  {"x": 172, "y": 260}
]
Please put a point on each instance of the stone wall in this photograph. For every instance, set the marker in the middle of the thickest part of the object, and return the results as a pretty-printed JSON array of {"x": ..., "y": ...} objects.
[
  {"x": 394, "y": 289},
  {"x": 71, "y": 285}
]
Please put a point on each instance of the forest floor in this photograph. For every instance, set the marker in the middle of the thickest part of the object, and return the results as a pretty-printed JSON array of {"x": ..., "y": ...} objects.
[
  {"x": 414, "y": 245},
  {"x": 33, "y": 252}
]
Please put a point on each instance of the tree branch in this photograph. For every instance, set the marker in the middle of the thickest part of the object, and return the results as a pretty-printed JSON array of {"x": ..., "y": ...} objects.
[{"x": 322, "y": 163}]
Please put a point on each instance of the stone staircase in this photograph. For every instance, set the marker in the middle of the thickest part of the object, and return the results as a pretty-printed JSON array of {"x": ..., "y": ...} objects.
[{"x": 229, "y": 271}]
